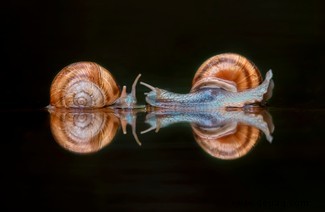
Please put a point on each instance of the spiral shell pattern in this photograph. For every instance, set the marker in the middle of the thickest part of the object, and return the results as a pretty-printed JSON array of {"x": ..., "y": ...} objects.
[
  {"x": 229, "y": 68},
  {"x": 232, "y": 145},
  {"x": 83, "y": 85},
  {"x": 83, "y": 132}
]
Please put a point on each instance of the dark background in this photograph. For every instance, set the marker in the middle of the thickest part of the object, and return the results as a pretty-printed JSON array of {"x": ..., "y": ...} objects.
[{"x": 166, "y": 41}]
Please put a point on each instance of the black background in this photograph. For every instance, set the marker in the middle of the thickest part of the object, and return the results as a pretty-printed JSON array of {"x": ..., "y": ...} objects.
[{"x": 166, "y": 41}]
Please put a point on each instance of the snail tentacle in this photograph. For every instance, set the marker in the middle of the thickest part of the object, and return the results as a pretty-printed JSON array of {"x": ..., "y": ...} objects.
[
  {"x": 148, "y": 86},
  {"x": 148, "y": 130},
  {"x": 128, "y": 117},
  {"x": 127, "y": 101}
]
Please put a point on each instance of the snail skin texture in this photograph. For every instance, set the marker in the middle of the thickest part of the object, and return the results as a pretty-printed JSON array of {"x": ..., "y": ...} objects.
[
  {"x": 225, "y": 80},
  {"x": 89, "y": 85}
]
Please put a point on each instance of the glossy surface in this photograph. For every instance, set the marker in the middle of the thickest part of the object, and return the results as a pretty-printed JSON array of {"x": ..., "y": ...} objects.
[
  {"x": 83, "y": 132},
  {"x": 170, "y": 169}
]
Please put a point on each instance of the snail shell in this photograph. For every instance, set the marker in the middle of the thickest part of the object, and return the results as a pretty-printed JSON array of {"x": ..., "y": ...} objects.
[
  {"x": 225, "y": 80},
  {"x": 83, "y": 132},
  {"x": 83, "y": 85},
  {"x": 228, "y": 142},
  {"x": 229, "y": 71}
]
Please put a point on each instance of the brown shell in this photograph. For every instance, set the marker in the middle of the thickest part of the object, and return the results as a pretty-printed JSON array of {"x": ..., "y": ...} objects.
[
  {"x": 228, "y": 67},
  {"x": 83, "y": 132},
  {"x": 83, "y": 85},
  {"x": 230, "y": 146}
]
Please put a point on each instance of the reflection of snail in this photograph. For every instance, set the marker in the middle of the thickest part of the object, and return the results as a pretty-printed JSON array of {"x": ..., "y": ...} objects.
[
  {"x": 222, "y": 134},
  {"x": 229, "y": 141},
  {"x": 88, "y": 131},
  {"x": 83, "y": 132},
  {"x": 88, "y": 85},
  {"x": 225, "y": 80}
]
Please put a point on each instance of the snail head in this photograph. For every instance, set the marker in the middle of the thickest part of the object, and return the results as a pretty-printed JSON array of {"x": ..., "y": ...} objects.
[
  {"x": 128, "y": 100},
  {"x": 155, "y": 94}
]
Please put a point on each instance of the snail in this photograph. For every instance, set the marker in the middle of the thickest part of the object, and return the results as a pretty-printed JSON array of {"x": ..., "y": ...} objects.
[
  {"x": 223, "y": 134},
  {"x": 89, "y": 85},
  {"x": 89, "y": 130},
  {"x": 224, "y": 80}
]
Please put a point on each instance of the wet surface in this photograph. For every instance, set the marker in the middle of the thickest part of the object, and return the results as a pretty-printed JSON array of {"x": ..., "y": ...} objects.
[{"x": 168, "y": 171}]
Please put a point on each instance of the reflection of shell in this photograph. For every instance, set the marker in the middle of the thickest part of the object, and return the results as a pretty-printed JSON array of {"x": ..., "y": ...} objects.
[
  {"x": 227, "y": 142},
  {"x": 83, "y": 132}
]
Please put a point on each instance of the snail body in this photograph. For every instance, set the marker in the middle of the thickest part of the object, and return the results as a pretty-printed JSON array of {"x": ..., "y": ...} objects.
[
  {"x": 89, "y": 85},
  {"x": 225, "y": 80}
]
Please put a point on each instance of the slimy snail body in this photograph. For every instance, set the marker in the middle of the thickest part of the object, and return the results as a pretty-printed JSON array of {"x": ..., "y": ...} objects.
[
  {"x": 89, "y": 85},
  {"x": 225, "y": 80}
]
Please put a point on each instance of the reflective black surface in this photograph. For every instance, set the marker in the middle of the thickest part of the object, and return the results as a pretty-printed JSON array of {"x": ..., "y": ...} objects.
[
  {"x": 166, "y": 42},
  {"x": 168, "y": 171}
]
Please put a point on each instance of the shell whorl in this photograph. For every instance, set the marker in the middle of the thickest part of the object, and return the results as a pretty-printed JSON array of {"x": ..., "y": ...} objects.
[
  {"x": 228, "y": 142},
  {"x": 85, "y": 132},
  {"x": 227, "y": 71},
  {"x": 83, "y": 85}
]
